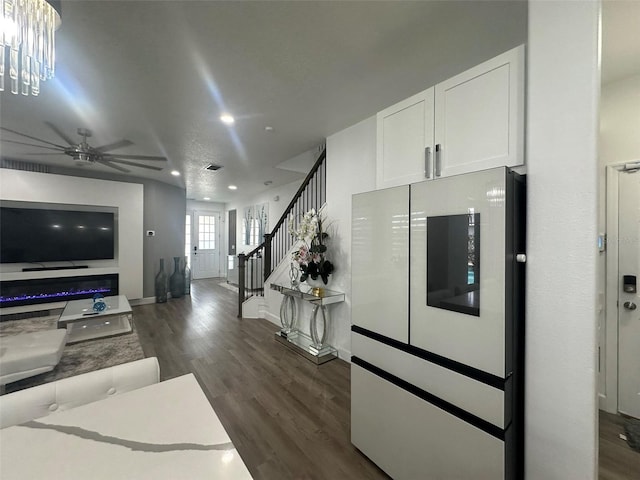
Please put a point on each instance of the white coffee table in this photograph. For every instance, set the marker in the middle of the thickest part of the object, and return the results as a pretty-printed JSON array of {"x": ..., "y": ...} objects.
[{"x": 82, "y": 323}]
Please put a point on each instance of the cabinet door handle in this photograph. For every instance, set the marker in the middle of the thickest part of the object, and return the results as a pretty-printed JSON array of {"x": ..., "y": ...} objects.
[
  {"x": 427, "y": 162},
  {"x": 438, "y": 161}
]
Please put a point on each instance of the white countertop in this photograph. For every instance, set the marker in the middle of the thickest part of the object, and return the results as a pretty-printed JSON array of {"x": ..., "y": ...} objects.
[{"x": 164, "y": 431}]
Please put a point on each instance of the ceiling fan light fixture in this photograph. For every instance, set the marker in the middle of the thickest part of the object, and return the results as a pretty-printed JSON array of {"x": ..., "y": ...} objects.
[{"x": 27, "y": 43}]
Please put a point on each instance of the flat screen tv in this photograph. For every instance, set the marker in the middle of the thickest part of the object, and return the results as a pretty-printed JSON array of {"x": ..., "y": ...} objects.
[{"x": 33, "y": 235}]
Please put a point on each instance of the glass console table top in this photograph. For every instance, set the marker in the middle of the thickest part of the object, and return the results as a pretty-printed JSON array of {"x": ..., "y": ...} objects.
[{"x": 305, "y": 292}]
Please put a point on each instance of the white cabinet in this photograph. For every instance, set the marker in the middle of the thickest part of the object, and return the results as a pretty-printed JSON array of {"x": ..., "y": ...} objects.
[
  {"x": 405, "y": 141},
  {"x": 470, "y": 122},
  {"x": 479, "y": 116}
]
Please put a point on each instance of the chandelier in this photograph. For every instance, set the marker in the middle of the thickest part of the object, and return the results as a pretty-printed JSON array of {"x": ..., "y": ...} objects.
[{"x": 27, "y": 43}]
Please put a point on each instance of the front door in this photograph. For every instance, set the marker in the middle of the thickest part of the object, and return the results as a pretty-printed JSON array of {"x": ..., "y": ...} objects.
[
  {"x": 206, "y": 245},
  {"x": 628, "y": 297}
]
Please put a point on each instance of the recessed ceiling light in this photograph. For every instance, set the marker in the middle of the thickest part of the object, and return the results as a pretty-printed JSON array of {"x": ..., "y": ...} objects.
[
  {"x": 228, "y": 119},
  {"x": 232, "y": 187},
  {"x": 175, "y": 173},
  {"x": 206, "y": 198},
  {"x": 268, "y": 128}
]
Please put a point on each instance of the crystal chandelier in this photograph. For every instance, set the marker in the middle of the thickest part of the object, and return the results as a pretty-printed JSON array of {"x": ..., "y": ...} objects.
[{"x": 27, "y": 43}]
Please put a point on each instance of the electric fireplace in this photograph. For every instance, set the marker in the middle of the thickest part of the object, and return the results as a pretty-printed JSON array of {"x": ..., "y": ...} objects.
[{"x": 14, "y": 293}]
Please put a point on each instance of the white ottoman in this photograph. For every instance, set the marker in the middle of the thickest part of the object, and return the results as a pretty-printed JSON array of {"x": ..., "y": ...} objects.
[{"x": 29, "y": 354}]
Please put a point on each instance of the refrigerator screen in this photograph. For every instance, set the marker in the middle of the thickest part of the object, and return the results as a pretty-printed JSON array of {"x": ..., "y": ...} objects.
[{"x": 453, "y": 263}]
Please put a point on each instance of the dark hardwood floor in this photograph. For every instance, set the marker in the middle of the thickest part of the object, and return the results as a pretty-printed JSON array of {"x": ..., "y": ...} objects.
[
  {"x": 617, "y": 461},
  {"x": 288, "y": 418}
]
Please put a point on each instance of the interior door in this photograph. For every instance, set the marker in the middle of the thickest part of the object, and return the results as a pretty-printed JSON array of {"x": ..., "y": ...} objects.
[
  {"x": 206, "y": 245},
  {"x": 628, "y": 298}
]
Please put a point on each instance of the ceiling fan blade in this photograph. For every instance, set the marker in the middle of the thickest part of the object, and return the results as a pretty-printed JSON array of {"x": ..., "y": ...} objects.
[
  {"x": 109, "y": 164},
  {"x": 44, "y": 153},
  {"x": 34, "y": 145},
  {"x": 32, "y": 138},
  {"x": 113, "y": 146},
  {"x": 136, "y": 157},
  {"x": 60, "y": 133},
  {"x": 125, "y": 162}
]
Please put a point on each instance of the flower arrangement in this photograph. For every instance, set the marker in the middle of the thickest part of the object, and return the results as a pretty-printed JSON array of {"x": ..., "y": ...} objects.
[{"x": 310, "y": 255}]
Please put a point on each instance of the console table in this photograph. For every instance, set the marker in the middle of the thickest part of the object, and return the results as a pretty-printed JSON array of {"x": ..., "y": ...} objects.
[{"x": 312, "y": 346}]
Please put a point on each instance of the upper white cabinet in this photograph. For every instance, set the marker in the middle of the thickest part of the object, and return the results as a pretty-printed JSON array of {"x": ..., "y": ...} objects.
[
  {"x": 405, "y": 141},
  {"x": 470, "y": 122},
  {"x": 479, "y": 116}
]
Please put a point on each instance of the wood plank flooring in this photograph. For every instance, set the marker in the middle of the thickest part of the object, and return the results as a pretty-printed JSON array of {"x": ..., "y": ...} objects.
[
  {"x": 288, "y": 418},
  {"x": 617, "y": 461}
]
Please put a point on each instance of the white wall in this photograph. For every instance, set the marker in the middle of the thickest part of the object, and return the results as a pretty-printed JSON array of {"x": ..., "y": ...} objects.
[
  {"x": 284, "y": 193},
  {"x": 620, "y": 121},
  {"x": 126, "y": 197},
  {"x": 351, "y": 168},
  {"x": 563, "y": 92},
  {"x": 618, "y": 142}
]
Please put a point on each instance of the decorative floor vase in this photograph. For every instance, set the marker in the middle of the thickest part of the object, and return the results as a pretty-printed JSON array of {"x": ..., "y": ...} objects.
[
  {"x": 187, "y": 276},
  {"x": 161, "y": 284},
  {"x": 176, "y": 281}
]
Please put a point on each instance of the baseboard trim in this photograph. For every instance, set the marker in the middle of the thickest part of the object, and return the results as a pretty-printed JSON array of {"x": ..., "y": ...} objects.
[{"x": 142, "y": 301}]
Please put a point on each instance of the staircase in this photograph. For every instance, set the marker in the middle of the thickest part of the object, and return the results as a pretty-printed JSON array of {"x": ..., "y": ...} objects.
[{"x": 255, "y": 267}]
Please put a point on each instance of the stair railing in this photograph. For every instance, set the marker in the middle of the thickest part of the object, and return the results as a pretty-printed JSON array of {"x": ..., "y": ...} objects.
[{"x": 255, "y": 267}]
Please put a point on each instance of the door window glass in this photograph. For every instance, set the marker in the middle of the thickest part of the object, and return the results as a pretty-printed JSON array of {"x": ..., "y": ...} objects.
[{"x": 206, "y": 232}]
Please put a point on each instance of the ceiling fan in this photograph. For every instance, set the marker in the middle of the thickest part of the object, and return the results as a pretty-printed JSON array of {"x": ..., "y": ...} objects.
[{"x": 83, "y": 153}]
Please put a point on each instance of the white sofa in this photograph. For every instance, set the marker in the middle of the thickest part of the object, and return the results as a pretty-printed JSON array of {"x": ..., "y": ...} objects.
[
  {"x": 36, "y": 402},
  {"x": 29, "y": 354}
]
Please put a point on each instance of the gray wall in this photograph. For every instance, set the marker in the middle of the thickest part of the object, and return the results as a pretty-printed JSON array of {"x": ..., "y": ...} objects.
[{"x": 165, "y": 208}]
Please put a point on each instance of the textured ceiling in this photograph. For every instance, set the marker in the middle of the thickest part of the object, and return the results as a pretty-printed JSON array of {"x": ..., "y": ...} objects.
[{"x": 161, "y": 73}]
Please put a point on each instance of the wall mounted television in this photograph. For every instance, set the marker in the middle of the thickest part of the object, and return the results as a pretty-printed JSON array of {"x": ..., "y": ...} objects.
[{"x": 35, "y": 235}]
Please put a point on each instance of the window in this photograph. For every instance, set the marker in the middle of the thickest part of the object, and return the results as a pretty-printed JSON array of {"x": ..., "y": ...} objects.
[
  {"x": 255, "y": 232},
  {"x": 206, "y": 232}
]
